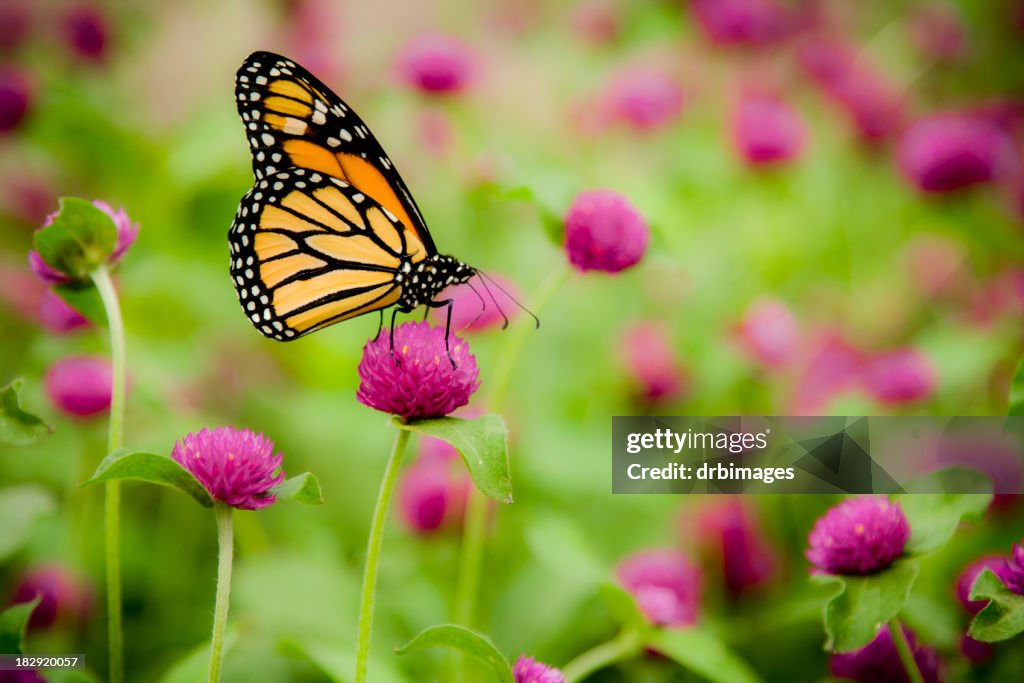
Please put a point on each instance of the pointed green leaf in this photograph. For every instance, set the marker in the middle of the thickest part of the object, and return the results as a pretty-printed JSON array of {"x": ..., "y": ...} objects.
[
  {"x": 84, "y": 298},
  {"x": 622, "y": 606},
  {"x": 934, "y": 517},
  {"x": 702, "y": 653},
  {"x": 158, "y": 469},
  {"x": 302, "y": 488},
  {"x": 464, "y": 640},
  {"x": 863, "y": 604},
  {"x": 20, "y": 507},
  {"x": 1003, "y": 617},
  {"x": 16, "y": 426},
  {"x": 1017, "y": 390},
  {"x": 483, "y": 445},
  {"x": 80, "y": 238},
  {"x": 13, "y": 623}
]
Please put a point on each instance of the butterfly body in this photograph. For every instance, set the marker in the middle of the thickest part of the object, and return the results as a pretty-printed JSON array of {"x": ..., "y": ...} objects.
[{"x": 329, "y": 231}]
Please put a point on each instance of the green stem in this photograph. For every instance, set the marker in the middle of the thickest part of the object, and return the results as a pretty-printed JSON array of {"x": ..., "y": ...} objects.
[
  {"x": 380, "y": 514},
  {"x": 906, "y": 654},
  {"x": 226, "y": 545},
  {"x": 624, "y": 646},
  {"x": 115, "y": 435}
]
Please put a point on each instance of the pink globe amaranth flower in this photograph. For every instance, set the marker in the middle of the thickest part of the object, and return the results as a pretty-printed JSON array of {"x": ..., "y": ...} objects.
[
  {"x": 80, "y": 385},
  {"x": 64, "y": 597},
  {"x": 938, "y": 33},
  {"x": 86, "y": 32},
  {"x": 1013, "y": 573},
  {"x": 647, "y": 354},
  {"x": 733, "y": 541},
  {"x": 879, "y": 661},
  {"x": 769, "y": 333},
  {"x": 665, "y": 584},
  {"x": 15, "y": 98},
  {"x": 749, "y": 22},
  {"x": 418, "y": 381},
  {"x": 975, "y": 651},
  {"x": 964, "y": 583},
  {"x": 432, "y": 494},
  {"x": 436, "y": 64},
  {"x": 473, "y": 313},
  {"x": 899, "y": 377},
  {"x": 236, "y": 466},
  {"x": 644, "y": 98},
  {"x": 57, "y": 316},
  {"x": 950, "y": 151},
  {"x": 529, "y": 670},
  {"x": 127, "y": 233},
  {"x": 832, "y": 367},
  {"x": 15, "y": 24},
  {"x": 858, "y": 536},
  {"x": 766, "y": 130},
  {"x": 603, "y": 231}
]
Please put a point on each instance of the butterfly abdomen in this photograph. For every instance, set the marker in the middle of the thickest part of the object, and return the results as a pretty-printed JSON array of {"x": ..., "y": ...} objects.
[{"x": 422, "y": 282}]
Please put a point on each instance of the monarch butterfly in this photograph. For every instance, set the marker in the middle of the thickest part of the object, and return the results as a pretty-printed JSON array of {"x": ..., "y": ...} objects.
[{"x": 329, "y": 231}]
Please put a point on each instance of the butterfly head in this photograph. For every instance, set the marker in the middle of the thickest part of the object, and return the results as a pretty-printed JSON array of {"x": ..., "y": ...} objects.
[{"x": 423, "y": 281}]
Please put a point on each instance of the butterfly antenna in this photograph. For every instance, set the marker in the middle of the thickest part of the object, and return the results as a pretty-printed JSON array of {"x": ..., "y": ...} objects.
[
  {"x": 483, "y": 305},
  {"x": 516, "y": 301},
  {"x": 483, "y": 281}
]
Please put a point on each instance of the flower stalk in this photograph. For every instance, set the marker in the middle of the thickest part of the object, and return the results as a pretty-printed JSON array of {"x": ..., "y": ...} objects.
[
  {"x": 226, "y": 546},
  {"x": 899, "y": 639},
  {"x": 626, "y": 645}
]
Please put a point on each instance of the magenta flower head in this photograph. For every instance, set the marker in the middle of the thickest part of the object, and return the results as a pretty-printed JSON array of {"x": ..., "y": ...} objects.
[
  {"x": 651, "y": 362},
  {"x": 964, "y": 583},
  {"x": 975, "y": 651},
  {"x": 950, "y": 151},
  {"x": 15, "y": 98},
  {"x": 858, "y": 536},
  {"x": 665, "y": 585},
  {"x": 769, "y": 333},
  {"x": 15, "y": 25},
  {"x": 879, "y": 661},
  {"x": 938, "y": 33},
  {"x": 436, "y": 64},
  {"x": 235, "y": 466},
  {"x": 86, "y": 33},
  {"x": 80, "y": 386},
  {"x": 732, "y": 540},
  {"x": 57, "y": 316},
  {"x": 832, "y": 368},
  {"x": 481, "y": 311},
  {"x": 766, "y": 130},
  {"x": 433, "y": 491},
  {"x": 127, "y": 233},
  {"x": 742, "y": 22},
  {"x": 418, "y": 381},
  {"x": 899, "y": 377},
  {"x": 64, "y": 597},
  {"x": 603, "y": 231},
  {"x": 645, "y": 99},
  {"x": 1013, "y": 573},
  {"x": 528, "y": 670}
]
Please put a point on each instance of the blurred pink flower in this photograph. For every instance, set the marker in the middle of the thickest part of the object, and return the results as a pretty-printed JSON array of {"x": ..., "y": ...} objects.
[
  {"x": 57, "y": 316},
  {"x": 529, "y": 670},
  {"x": 597, "y": 21},
  {"x": 729, "y": 535},
  {"x": 750, "y": 22},
  {"x": 469, "y": 313},
  {"x": 433, "y": 490},
  {"x": 832, "y": 367},
  {"x": 64, "y": 596},
  {"x": 937, "y": 264},
  {"x": 1013, "y": 571},
  {"x": 237, "y": 467},
  {"x": 80, "y": 386},
  {"x": 313, "y": 34},
  {"x": 900, "y": 376},
  {"x": 436, "y": 64},
  {"x": 938, "y": 33},
  {"x": 20, "y": 292},
  {"x": 603, "y": 231},
  {"x": 879, "y": 661},
  {"x": 127, "y": 233},
  {"x": 858, "y": 536},
  {"x": 964, "y": 583},
  {"x": 652, "y": 364},
  {"x": 644, "y": 98},
  {"x": 975, "y": 651},
  {"x": 665, "y": 584},
  {"x": 766, "y": 130},
  {"x": 86, "y": 32},
  {"x": 949, "y": 151},
  {"x": 15, "y": 24},
  {"x": 15, "y": 98},
  {"x": 770, "y": 333},
  {"x": 28, "y": 197},
  {"x": 436, "y": 132}
]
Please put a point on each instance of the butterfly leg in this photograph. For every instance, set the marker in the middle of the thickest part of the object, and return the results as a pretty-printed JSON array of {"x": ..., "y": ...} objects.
[
  {"x": 446, "y": 303},
  {"x": 380, "y": 327},
  {"x": 394, "y": 314}
]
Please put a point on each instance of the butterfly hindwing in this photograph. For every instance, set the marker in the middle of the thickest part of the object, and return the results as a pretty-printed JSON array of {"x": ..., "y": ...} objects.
[
  {"x": 294, "y": 121},
  {"x": 309, "y": 250}
]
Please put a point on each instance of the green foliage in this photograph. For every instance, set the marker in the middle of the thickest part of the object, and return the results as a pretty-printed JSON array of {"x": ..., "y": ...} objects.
[
  {"x": 1017, "y": 391},
  {"x": 934, "y": 517},
  {"x": 483, "y": 444},
  {"x": 80, "y": 239},
  {"x": 302, "y": 488},
  {"x": 125, "y": 463},
  {"x": 20, "y": 507},
  {"x": 1003, "y": 617},
  {"x": 84, "y": 298},
  {"x": 465, "y": 640},
  {"x": 16, "y": 426},
  {"x": 702, "y": 653},
  {"x": 13, "y": 624}
]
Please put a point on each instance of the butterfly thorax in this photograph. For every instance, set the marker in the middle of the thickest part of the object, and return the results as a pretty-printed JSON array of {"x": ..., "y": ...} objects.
[{"x": 421, "y": 282}]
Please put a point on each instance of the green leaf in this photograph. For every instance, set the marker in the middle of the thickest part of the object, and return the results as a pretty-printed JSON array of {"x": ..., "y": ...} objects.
[
  {"x": 13, "y": 623},
  {"x": 934, "y": 517},
  {"x": 125, "y": 463},
  {"x": 195, "y": 664},
  {"x": 1002, "y": 617},
  {"x": 20, "y": 507},
  {"x": 622, "y": 606},
  {"x": 16, "y": 426},
  {"x": 863, "y": 604},
  {"x": 704, "y": 654},
  {"x": 80, "y": 238},
  {"x": 302, "y": 488},
  {"x": 84, "y": 298},
  {"x": 1017, "y": 390},
  {"x": 464, "y": 640},
  {"x": 483, "y": 445},
  {"x": 337, "y": 664}
]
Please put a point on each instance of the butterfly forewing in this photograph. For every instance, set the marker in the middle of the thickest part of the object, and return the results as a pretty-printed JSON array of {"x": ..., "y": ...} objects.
[{"x": 293, "y": 120}]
